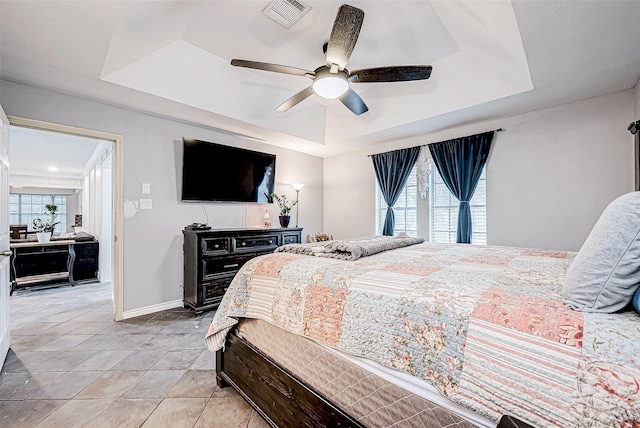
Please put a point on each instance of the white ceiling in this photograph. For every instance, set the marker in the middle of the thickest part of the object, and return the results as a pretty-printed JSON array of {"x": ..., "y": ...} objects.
[
  {"x": 49, "y": 159},
  {"x": 490, "y": 59}
]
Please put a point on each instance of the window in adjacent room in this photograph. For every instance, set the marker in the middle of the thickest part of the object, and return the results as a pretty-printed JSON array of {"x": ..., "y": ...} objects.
[
  {"x": 23, "y": 208},
  {"x": 405, "y": 209},
  {"x": 443, "y": 210}
]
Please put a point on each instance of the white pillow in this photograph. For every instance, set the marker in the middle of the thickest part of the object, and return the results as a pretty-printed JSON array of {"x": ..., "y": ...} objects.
[{"x": 606, "y": 271}]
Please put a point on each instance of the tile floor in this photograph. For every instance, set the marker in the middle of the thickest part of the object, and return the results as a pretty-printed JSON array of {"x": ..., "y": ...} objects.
[{"x": 70, "y": 366}]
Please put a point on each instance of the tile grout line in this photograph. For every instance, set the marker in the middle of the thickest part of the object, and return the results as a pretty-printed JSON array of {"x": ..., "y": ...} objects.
[{"x": 164, "y": 335}]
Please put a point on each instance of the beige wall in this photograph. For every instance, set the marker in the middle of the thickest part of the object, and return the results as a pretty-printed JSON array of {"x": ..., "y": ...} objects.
[
  {"x": 349, "y": 196},
  {"x": 636, "y": 116},
  {"x": 637, "y": 101},
  {"x": 549, "y": 175},
  {"x": 553, "y": 171}
]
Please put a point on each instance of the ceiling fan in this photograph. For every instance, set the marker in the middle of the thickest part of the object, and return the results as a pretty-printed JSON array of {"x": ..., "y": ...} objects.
[{"x": 333, "y": 79}]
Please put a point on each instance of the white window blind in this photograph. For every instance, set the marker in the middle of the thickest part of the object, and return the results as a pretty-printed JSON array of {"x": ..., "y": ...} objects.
[
  {"x": 405, "y": 209},
  {"x": 443, "y": 210},
  {"x": 24, "y": 208}
]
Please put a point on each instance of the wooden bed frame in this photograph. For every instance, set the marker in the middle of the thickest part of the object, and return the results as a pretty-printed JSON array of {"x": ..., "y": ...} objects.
[{"x": 279, "y": 397}]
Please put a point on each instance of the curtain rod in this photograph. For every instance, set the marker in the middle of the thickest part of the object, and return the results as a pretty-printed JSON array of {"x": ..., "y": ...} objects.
[{"x": 495, "y": 130}]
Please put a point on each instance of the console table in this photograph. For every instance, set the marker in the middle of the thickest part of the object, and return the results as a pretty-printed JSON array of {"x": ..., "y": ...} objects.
[
  {"x": 213, "y": 257},
  {"x": 35, "y": 263}
]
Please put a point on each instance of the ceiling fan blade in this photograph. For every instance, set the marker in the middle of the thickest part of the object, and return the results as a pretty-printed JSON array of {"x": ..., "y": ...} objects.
[
  {"x": 353, "y": 102},
  {"x": 272, "y": 67},
  {"x": 297, "y": 98},
  {"x": 344, "y": 35},
  {"x": 400, "y": 73}
]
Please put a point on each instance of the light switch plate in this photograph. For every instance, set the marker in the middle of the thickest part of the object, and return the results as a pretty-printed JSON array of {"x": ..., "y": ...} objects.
[
  {"x": 146, "y": 204},
  {"x": 146, "y": 188}
]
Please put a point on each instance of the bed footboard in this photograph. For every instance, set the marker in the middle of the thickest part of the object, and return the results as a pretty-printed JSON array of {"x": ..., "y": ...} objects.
[{"x": 280, "y": 398}]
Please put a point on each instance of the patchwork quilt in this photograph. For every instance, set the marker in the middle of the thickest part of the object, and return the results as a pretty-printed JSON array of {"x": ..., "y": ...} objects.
[{"x": 485, "y": 325}]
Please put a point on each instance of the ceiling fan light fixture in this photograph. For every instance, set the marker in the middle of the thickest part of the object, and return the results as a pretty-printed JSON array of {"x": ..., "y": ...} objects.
[
  {"x": 332, "y": 80},
  {"x": 330, "y": 86}
]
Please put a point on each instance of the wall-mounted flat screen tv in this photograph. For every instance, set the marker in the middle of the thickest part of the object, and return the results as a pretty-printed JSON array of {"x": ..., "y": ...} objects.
[{"x": 214, "y": 172}]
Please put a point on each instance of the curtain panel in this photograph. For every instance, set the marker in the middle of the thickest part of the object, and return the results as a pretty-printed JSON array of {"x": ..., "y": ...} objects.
[
  {"x": 460, "y": 162},
  {"x": 392, "y": 171}
]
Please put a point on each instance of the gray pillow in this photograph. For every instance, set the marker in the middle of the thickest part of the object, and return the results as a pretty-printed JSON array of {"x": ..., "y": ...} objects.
[{"x": 606, "y": 271}]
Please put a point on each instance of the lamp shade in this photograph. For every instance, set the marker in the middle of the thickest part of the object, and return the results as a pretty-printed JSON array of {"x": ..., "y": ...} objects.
[{"x": 297, "y": 186}]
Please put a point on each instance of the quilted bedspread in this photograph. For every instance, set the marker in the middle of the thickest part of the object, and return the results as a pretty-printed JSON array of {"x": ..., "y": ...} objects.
[{"x": 485, "y": 325}]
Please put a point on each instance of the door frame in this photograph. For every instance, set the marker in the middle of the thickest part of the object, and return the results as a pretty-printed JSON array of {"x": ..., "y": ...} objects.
[
  {"x": 5, "y": 263},
  {"x": 118, "y": 195}
]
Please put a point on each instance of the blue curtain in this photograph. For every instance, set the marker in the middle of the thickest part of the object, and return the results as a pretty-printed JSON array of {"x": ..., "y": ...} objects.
[
  {"x": 392, "y": 171},
  {"x": 460, "y": 162}
]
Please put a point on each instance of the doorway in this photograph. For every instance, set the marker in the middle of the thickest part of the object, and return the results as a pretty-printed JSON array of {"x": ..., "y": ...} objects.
[{"x": 103, "y": 216}]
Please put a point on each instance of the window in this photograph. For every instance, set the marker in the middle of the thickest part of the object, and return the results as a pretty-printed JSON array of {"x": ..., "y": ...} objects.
[
  {"x": 443, "y": 210},
  {"x": 405, "y": 209},
  {"x": 23, "y": 208}
]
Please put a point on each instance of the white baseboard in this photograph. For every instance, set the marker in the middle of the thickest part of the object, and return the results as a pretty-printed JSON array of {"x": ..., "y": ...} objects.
[{"x": 151, "y": 309}]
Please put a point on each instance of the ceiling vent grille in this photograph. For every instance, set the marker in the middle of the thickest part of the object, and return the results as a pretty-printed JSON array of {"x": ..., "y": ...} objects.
[{"x": 286, "y": 12}]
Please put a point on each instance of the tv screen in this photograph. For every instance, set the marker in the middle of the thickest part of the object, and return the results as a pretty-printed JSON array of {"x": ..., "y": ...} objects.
[{"x": 213, "y": 172}]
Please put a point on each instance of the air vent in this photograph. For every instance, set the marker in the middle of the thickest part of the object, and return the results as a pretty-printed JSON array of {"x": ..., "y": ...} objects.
[{"x": 286, "y": 12}]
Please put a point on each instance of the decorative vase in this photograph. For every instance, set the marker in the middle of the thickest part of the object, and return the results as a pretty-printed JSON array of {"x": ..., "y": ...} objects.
[
  {"x": 43, "y": 237},
  {"x": 284, "y": 220}
]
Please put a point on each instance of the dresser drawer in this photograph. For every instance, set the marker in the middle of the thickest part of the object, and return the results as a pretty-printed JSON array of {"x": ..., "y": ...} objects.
[
  {"x": 290, "y": 239},
  {"x": 215, "y": 246},
  {"x": 55, "y": 249},
  {"x": 253, "y": 243},
  {"x": 214, "y": 290},
  {"x": 222, "y": 266}
]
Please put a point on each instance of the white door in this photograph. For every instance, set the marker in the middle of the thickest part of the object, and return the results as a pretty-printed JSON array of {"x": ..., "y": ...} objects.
[{"x": 4, "y": 237}]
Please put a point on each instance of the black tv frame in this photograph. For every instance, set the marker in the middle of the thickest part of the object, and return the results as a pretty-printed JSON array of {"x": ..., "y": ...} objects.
[{"x": 209, "y": 162}]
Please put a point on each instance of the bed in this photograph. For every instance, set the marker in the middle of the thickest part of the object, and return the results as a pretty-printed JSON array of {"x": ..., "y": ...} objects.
[{"x": 424, "y": 335}]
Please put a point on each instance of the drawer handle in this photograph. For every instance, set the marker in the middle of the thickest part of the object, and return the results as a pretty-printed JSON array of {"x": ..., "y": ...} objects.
[
  {"x": 270, "y": 242},
  {"x": 230, "y": 266},
  {"x": 243, "y": 244},
  {"x": 216, "y": 246}
]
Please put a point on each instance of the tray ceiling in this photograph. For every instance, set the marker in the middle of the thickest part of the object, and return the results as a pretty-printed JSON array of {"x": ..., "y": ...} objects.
[{"x": 489, "y": 58}]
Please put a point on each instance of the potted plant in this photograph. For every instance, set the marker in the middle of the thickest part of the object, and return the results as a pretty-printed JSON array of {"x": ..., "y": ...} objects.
[
  {"x": 285, "y": 207},
  {"x": 44, "y": 228}
]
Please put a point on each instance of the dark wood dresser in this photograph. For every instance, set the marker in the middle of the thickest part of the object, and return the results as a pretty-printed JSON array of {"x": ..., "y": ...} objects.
[
  {"x": 212, "y": 258},
  {"x": 58, "y": 261}
]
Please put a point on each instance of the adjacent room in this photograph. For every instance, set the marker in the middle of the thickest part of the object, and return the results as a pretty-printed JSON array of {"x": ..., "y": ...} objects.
[
  {"x": 59, "y": 192},
  {"x": 308, "y": 213}
]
